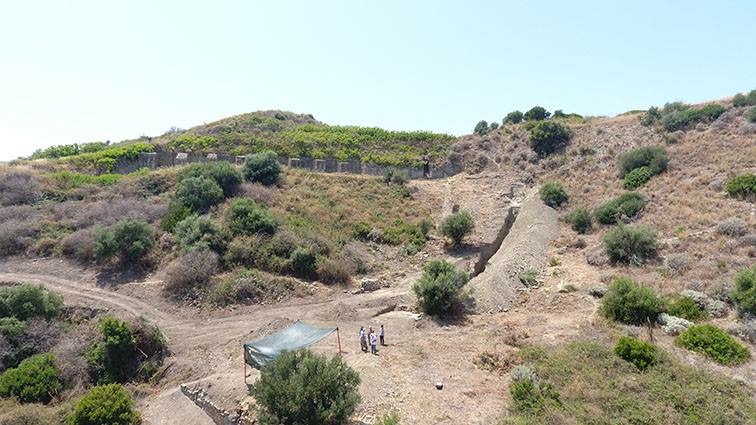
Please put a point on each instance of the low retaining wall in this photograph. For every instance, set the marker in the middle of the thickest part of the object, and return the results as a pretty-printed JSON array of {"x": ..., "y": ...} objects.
[
  {"x": 218, "y": 415},
  {"x": 327, "y": 165}
]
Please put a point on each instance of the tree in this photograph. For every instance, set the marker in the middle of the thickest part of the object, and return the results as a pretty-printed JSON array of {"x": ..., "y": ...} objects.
[
  {"x": 744, "y": 294},
  {"x": 263, "y": 168},
  {"x": 247, "y": 217},
  {"x": 224, "y": 174},
  {"x": 553, "y": 194},
  {"x": 513, "y": 117},
  {"x": 198, "y": 193},
  {"x": 438, "y": 289},
  {"x": 26, "y": 301},
  {"x": 36, "y": 379},
  {"x": 199, "y": 232},
  {"x": 547, "y": 137},
  {"x": 630, "y": 303},
  {"x": 536, "y": 113},
  {"x": 481, "y": 128},
  {"x": 457, "y": 226},
  {"x": 130, "y": 239},
  {"x": 105, "y": 404},
  {"x": 303, "y": 388},
  {"x": 112, "y": 359}
]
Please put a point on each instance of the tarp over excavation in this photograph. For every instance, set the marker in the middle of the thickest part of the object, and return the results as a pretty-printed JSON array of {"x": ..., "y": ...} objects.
[{"x": 299, "y": 335}]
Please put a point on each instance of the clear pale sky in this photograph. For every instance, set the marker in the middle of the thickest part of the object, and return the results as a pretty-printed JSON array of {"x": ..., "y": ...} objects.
[{"x": 80, "y": 71}]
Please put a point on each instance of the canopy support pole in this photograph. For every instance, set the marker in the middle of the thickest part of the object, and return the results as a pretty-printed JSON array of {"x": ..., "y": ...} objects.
[
  {"x": 338, "y": 339},
  {"x": 244, "y": 359}
]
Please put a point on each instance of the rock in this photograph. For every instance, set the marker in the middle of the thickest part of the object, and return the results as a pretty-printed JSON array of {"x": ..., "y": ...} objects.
[
  {"x": 745, "y": 331},
  {"x": 439, "y": 385},
  {"x": 698, "y": 297},
  {"x": 716, "y": 308},
  {"x": 673, "y": 325},
  {"x": 597, "y": 291},
  {"x": 369, "y": 285}
]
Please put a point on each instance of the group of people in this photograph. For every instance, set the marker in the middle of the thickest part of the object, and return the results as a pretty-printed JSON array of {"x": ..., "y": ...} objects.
[{"x": 371, "y": 337}]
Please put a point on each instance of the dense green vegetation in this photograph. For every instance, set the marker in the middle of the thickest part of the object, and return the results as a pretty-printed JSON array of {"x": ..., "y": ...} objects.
[
  {"x": 262, "y": 168},
  {"x": 438, "y": 290},
  {"x": 27, "y": 301},
  {"x": 640, "y": 353},
  {"x": 246, "y": 217},
  {"x": 225, "y": 175},
  {"x": 106, "y": 159},
  {"x": 60, "y": 151},
  {"x": 69, "y": 180},
  {"x": 514, "y": 117},
  {"x": 679, "y": 116},
  {"x": 580, "y": 220},
  {"x": 742, "y": 186},
  {"x": 748, "y": 99},
  {"x": 536, "y": 113},
  {"x": 302, "y": 388},
  {"x": 628, "y": 302},
  {"x": 128, "y": 239},
  {"x": 620, "y": 209},
  {"x": 547, "y": 137},
  {"x": 686, "y": 308},
  {"x": 713, "y": 343},
  {"x": 457, "y": 226},
  {"x": 36, "y": 379},
  {"x": 595, "y": 386},
  {"x": 639, "y": 165},
  {"x": 105, "y": 404},
  {"x": 553, "y": 194},
  {"x": 744, "y": 294},
  {"x": 630, "y": 244}
]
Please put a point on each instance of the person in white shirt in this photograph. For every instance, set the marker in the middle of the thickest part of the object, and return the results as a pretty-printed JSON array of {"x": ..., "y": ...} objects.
[
  {"x": 373, "y": 342},
  {"x": 363, "y": 339}
]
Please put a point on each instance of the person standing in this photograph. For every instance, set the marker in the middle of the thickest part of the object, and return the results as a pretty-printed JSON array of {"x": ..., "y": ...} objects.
[
  {"x": 382, "y": 334},
  {"x": 363, "y": 340},
  {"x": 373, "y": 342}
]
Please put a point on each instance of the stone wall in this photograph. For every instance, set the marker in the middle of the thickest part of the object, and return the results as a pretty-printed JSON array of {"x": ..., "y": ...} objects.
[
  {"x": 328, "y": 165},
  {"x": 218, "y": 415}
]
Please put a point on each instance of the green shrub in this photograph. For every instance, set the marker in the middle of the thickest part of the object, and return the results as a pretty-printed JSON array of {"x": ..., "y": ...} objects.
[
  {"x": 748, "y": 99},
  {"x": 651, "y": 116},
  {"x": 439, "y": 287},
  {"x": 680, "y": 120},
  {"x": 300, "y": 387},
  {"x": 481, "y": 128},
  {"x": 637, "y": 178},
  {"x": 536, "y": 113},
  {"x": 553, "y": 194},
  {"x": 547, "y": 137},
  {"x": 713, "y": 343},
  {"x": 65, "y": 179},
  {"x": 303, "y": 263},
  {"x": 580, "y": 220},
  {"x": 105, "y": 404},
  {"x": 199, "y": 232},
  {"x": 198, "y": 193},
  {"x": 262, "y": 167},
  {"x": 106, "y": 159},
  {"x": 622, "y": 208},
  {"x": 529, "y": 277},
  {"x": 640, "y": 353},
  {"x": 112, "y": 358},
  {"x": 630, "y": 244},
  {"x": 530, "y": 397},
  {"x": 653, "y": 157},
  {"x": 192, "y": 142},
  {"x": 742, "y": 186},
  {"x": 27, "y": 301},
  {"x": 744, "y": 294},
  {"x": 245, "y": 216},
  {"x": 176, "y": 213},
  {"x": 628, "y": 302},
  {"x": 457, "y": 226},
  {"x": 36, "y": 379},
  {"x": 513, "y": 117},
  {"x": 686, "y": 308},
  {"x": 129, "y": 239},
  {"x": 223, "y": 173}
]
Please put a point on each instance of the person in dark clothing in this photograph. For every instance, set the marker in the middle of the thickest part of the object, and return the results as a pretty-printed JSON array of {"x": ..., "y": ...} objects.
[{"x": 381, "y": 335}]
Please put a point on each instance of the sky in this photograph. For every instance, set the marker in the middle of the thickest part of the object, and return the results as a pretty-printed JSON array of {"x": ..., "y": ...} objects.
[{"x": 82, "y": 71}]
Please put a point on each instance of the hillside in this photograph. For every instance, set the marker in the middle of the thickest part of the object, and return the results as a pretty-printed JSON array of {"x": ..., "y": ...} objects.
[{"x": 217, "y": 254}]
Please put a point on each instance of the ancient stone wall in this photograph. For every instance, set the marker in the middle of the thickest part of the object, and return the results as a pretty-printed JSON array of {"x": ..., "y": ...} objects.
[
  {"x": 328, "y": 165},
  {"x": 218, "y": 415}
]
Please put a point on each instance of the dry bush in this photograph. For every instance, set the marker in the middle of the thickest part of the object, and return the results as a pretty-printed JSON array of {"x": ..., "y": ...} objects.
[
  {"x": 732, "y": 226},
  {"x": 260, "y": 193},
  {"x": 15, "y": 237},
  {"x": 18, "y": 188},
  {"x": 335, "y": 271},
  {"x": 70, "y": 359},
  {"x": 80, "y": 244},
  {"x": 17, "y": 212},
  {"x": 244, "y": 250},
  {"x": 358, "y": 256},
  {"x": 190, "y": 271},
  {"x": 13, "y": 413},
  {"x": 678, "y": 263},
  {"x": 108, "y": 212}
]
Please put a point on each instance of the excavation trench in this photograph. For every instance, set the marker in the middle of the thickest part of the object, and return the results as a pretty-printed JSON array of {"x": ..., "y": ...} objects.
[{"x": 488, "y": 250}]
